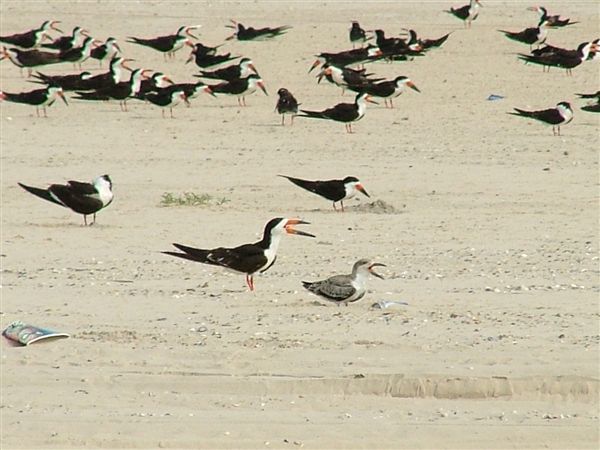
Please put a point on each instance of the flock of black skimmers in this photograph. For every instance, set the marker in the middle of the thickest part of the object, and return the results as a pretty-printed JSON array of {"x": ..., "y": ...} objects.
[{"x": 34, "y": 49}]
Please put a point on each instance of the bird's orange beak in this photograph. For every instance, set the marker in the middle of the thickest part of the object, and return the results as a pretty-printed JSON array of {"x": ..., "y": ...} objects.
[
  {"x": 375, "y": 273},
  {"x": 290, "y": 230},
  {"x": 413, "y": 86},
  {"x": 362, "y": 189}
]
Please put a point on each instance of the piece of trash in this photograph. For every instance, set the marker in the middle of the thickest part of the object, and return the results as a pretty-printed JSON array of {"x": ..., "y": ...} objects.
[
  {"x": 25, "y": 334},
  {"x": 493, "y": 97},
  {"x": 384, "y": 304}
]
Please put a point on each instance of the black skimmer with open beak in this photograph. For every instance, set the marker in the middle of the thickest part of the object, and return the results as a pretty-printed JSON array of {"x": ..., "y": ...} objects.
[
  {"x": 64, "y": 43},
  {"x": 38, "y": 98},
  {"x": 205, "y": 56},
  {"x": 248, "y": 258},
  {"x": 332, "y": 190},
  {"x": 168, "y": 44},
  {"x": 467, "y": 13},
  {"x": 387, "y": 89},
  {"x": 357, "y": 34},
  {"x": 591, "y": 107},
  {"x": 286, "y": 104},
  {"x": 561, "y": 115},
  {"x": 240, "y": 87},
  {"x": 344, "y": 289},
  {"x": 531, "y": 36},
  {"x": 166, "y": 99},
  {"x": 83, "y": 198},
  {"x": 348, "y": 57},
  {"x": 243, "y": 33},
  {"x": 108, "y": 50},
  {"x": 241, "y": 70},
  {"x": 32, "y": 38},
  {"x": 551, "y": 21},
  {"x": 121, "y": 91},
  {"x": 70, "y": 82},
  {"x": 29, "y": 58},
  {"x": 549, "y": 56},
  {"x": 343, "y": 112}
]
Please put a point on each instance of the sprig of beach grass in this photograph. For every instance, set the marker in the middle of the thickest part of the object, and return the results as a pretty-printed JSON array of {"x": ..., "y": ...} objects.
[{"x": 191, "y": 199}]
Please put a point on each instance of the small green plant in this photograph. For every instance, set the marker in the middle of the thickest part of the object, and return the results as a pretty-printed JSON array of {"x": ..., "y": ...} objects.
[{"x": 191, "y": 199}]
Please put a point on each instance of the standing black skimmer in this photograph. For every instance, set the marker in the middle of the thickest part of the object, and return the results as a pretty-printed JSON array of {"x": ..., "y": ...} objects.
[
  {"x": 156, "y": 82},
  {"x": 168, "y": 44},
  {"x": 467, "y": 13},
  {"x": 38, "y": 98},
  {"x": 591, "y": 107},
  {"x": 64, "y": 43},
  {"x": 121, "y": 91},
  {"x": 254, "y": 34},
  {"x": 240, "y": 87},
  {"x": 166, "y": 99},
  {"x": 332, "y": 190},
  {"x": 29, "y": 58},
  {"x": 561, "y": 115},
  {"x": 71, "y": 82},
  {"x": 108, "y": 50},
  {"x": 348, "y": 57},
  {"x": 241, "y": 70},
  {"x": 248, "y": 258},
  {"x": 531, "y": 36},
  {"x": 191, "y": 90},
  {"x": 31, "y": 38},
  {"x": 387, "y": 89},
  {"x": 357, "y": 34},
  {"x": 77, "y": 55},
  {"x": 343, "y": 112},
  {"x": 344, "y": 289},
  {"x": 286, "y": 104},
  {"x": 551, "y": 21},
  {"x": 205, "y": 56},
  {"x": 83, "y": 198},
  {"x": 550, "y": 56}
]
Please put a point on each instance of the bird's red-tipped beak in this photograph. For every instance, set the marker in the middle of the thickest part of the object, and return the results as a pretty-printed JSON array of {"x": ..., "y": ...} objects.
[
  {"x": 375, "y": 273},
  {"x": 362, "y": 189},
  {"x": 315, "y": 64},
  {"x": 146, "y": 74},
  {"x": 61, "y": 94},
  {"x": 124, "y": 63},
  {"x": 115, "y": 45},
  {"x": 369, "y": 99},
  {"x": 413, "y": 86},
  {"x": 261, "y": 85},
  {"x": 184, "y": 98},
  {"x": 189, "y": 43},
  {"x": 290, "y": 230},
  {"x": 208, "y": 90},
  {"x": 189, "y": 32},
  {"x": 54, "y": 27},
  {"x": 251, "y": 67}
]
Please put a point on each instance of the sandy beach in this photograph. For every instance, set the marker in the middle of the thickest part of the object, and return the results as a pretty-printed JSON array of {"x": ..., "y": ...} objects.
[{"x": 487, "y": 223}]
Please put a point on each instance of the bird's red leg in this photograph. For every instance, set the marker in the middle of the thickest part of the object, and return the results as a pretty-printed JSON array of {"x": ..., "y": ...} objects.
[
  {"x": 342, "y": 203},
  {"x": 282, "y": 119}
]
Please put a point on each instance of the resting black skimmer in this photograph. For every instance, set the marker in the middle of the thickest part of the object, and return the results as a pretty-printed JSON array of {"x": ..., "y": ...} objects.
[
  {"x": 120, "y": 91},
  {"x": 38, "y": 98},
  {"x": 205, "y": 56},
  {"x": 531, "y": 36},
  {"x": 168, "y": 44},
  {"x": 241, "y": 70},
  {"x": 550, "y": 56},
  {"x": 108, "y": 50},
  {"x": 387, "y": 89},
  {"x": 70, "y": 82},
  {"x": 156, "y": 82},
  {"x": 243, "y": 33},
  {"x": 240, "y": 87},
  {"x": 332, "y": 190},
  {"x": 191, "y": 90},
  {"x": 344, "y": 289},
  {"x": 591, "y": 107},
  {"x": 248, "y": 259},
  {"x": 343, "y": 112},
  {"x": 551, "y": 21},
  {"x": 83, "y": 198},
  {"x": 345, "y": 76},
  {"x": 467, "y": 13},
  {"x": 357, "y": 34},
  {"x": 561, "y": 115},
  {"x": 286, "y": 104},
  {"x": 348, "y": 57},
  {"x": 417, "y": 44},
  {"x": 29, "y": 58},
  {"x": 64, "y": 43},
  {"x": 32, "y": 38},
  {"x": 77, "y": 55},
  {"x": 166, "y": 99}
]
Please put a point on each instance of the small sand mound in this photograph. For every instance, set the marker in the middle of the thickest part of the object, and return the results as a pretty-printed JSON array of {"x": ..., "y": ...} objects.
[{"x": 377, "y": 207}]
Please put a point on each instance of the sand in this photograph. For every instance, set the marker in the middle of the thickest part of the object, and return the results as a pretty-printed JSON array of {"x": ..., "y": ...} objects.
[{"x": 488, "y": 225}]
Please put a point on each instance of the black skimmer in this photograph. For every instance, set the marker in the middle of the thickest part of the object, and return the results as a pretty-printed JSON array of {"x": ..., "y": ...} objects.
[
  {"x": 83, "y": 198},
  {"x": 531, "y": 36},
  {"x": 286, "y": 104},
  {"x": 243, "y": 33},
  {"x": 348, "y": 57},
  {"x": 551, "y": 21},
  {"x": 166, "y": 99},
  {"x": 191, "y": 90},
  {"x": 550, "y": 56},
  {"x": 390, "y": 46},
  {"x": 168, "y": 44},
  {"x": 357, "y": 34},
  {"x": 77, "y": 55},
  {"x": 64, "y": 43},
  {"x": 108, "y": 50},
  {"x": 387, "y": 89},
  {"x": 467, "y": 13},
  {"x": 344, "y": 289},
  {"x": 241, "y": 70},
  {"x": 32, "y": 38},
  {"x": 248, "y": 258},
  {"x": 156, "y": 82},
  {"x": 240, "y": 87},
  {"x": 417, "y": 44},
  {"x": 332, "y": 190},
  {"x": 120, "y": 91},
  {"x": 561, "y": 115},
  {"x": 343, "y": 112},
  {"x": 70, "y": 82},
  {"x": 29, "y": 58},
  {"x": 38, "y": 98},
  {"x": 345, "y": 76},
  {"x": 591, "y": 107},
  {"x": 205, "y": 56}
]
